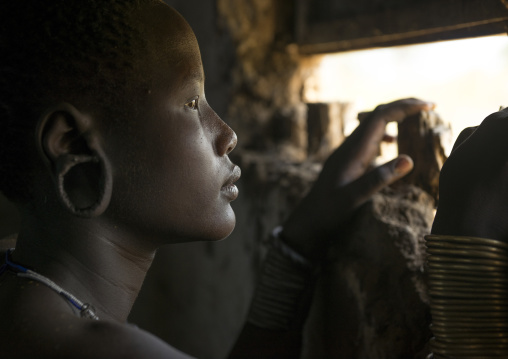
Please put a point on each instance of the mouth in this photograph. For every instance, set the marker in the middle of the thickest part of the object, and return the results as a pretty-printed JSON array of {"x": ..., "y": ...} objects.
[{"x": 229, "y": 189}]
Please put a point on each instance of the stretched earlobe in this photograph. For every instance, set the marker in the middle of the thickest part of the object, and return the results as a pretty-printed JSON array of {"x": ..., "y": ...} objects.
[
  {"x": 100, "y": 193},
  {"x": 70, "y": 145}
]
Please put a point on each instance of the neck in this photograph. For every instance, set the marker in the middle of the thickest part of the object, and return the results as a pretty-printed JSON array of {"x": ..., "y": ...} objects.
[{"x": 88, "y": 258}]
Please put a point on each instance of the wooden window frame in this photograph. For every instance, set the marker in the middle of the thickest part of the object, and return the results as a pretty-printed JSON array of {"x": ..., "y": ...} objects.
[{"x": 416, "y": 22}]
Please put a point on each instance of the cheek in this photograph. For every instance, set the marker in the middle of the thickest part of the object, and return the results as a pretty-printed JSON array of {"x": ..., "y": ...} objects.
[
  {"x": 198, "y": 208},
  {"x": 174, "y": 194}
]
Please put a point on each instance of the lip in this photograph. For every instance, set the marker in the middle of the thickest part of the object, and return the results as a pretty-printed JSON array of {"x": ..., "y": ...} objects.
[{"x": 229, "y": 189}]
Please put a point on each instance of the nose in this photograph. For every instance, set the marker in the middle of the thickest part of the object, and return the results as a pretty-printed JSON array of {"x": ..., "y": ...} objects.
[{"x": 226, "y": 139}]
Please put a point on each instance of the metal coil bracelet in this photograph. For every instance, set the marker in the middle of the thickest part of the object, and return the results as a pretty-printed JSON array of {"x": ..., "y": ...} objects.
[
  {"x": 281, "y": 293},
  {"x": 468, "y": 287}
]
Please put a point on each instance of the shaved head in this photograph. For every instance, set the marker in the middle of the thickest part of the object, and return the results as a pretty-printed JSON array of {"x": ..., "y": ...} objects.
[{"x": 91, "y": 53}]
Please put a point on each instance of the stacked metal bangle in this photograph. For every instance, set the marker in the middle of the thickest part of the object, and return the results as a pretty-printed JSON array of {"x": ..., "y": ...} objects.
[
  {"x": 468, "y": 286},
  {"x": 280, "y": 295}
]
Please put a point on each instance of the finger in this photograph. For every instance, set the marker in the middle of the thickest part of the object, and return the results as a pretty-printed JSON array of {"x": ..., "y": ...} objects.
[
  {"x": 365, "y": 186},
  {"x": 398, "y": 110},
  {"x": 354, "y": 157},
  {"x": 408, "y": 106},
  {"x": 372, "y": 131},
  {"x": 389, "y": 138},
  {"x": 363, "y": 115},
  {"x": 463, "y": 136},
  {"x": 410, "y": 102},
  {"x": 372, "y": 124},
  {"x": 363, "y": 143}
]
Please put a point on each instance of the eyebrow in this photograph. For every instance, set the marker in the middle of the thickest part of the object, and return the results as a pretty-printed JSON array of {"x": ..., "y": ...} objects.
[{"x": 196, "y": 75}]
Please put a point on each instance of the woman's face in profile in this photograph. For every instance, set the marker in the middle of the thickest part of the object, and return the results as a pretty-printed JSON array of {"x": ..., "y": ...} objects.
[{"x": 172, "y": 177}]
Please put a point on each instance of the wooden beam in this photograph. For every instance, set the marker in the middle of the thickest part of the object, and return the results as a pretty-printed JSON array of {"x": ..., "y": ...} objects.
[{"x": 415, "y": 22}]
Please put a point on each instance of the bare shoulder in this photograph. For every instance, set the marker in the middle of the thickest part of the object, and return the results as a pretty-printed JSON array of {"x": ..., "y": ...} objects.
[
  {"x": 114, "y": 340},
  {"x": 67, "y": 336}
]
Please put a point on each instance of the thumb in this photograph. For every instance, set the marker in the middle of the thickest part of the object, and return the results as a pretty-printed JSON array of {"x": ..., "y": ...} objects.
[{"x": 380, "y": 177}]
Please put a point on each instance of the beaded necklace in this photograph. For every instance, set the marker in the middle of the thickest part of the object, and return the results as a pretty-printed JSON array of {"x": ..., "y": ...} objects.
[{"x": 85, "y": 309}]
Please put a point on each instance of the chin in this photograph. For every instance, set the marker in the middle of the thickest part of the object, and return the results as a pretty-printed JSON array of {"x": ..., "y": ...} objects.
[
  {"x": 222, "y": 229},
  {"x": 211, "y": 229},
  {"x": 218, "y": 227}
]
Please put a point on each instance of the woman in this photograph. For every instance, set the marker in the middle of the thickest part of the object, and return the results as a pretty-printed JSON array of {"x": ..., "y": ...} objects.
[{"x": 110, "y": 150}]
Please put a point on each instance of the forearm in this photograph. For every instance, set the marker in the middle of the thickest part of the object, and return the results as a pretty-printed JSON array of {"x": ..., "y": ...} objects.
[
  {"x": 345, "y": 183},
  {"x": 279, "y": 308}
]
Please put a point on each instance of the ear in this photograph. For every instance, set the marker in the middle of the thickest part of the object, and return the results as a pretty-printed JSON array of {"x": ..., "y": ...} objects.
[{"x": 69, "y": 143}]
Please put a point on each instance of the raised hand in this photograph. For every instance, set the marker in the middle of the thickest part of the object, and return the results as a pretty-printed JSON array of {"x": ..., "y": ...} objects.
[
  {"x": 345, "y": 182},
  {"x": 473, "y": 186}
]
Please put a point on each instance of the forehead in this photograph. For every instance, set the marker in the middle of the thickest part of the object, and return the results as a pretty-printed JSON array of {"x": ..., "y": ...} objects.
[{"x": 170, "y": 41}]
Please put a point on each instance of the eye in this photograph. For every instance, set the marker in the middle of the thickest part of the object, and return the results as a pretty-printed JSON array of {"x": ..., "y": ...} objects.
[{"x": 193, "y": 104}]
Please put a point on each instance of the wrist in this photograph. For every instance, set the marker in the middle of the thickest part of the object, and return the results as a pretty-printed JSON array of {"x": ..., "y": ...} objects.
[
  {"x": 279, "y": 243},
  {"x": 303, "y": 243},
  {"x": 284, "y": 290}
]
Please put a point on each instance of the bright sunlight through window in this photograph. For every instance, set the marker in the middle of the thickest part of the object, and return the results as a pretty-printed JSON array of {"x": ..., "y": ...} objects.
[{"x": 467, "y": 79}]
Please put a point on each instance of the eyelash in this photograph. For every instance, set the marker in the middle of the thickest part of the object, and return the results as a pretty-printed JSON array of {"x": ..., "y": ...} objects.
[{"x": 193, "y": 104}]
